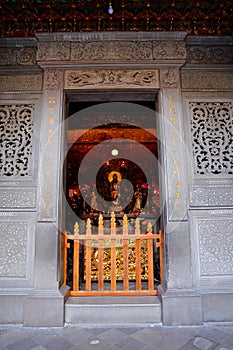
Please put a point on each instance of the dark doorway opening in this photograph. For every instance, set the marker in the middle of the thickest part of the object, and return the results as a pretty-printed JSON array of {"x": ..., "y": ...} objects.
[{"x": 144, "y": 196}]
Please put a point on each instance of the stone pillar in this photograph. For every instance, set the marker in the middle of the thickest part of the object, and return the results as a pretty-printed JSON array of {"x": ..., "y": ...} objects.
[
  {"x": 179, "y": 304},
  {"x": 45, "y": 306}
]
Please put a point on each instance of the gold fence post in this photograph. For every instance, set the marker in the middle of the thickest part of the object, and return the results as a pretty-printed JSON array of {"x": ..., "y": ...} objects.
[
  {"x": 125, "y": 253},
  {"x": 76, "y": 258},
  {"x": 100, "y": 253},
  {"x": 113, "y": 252},
  {"x": 150, "y": 258},
  {"x": 138, "y": 254},
  {"x": 88, "y": 254}
]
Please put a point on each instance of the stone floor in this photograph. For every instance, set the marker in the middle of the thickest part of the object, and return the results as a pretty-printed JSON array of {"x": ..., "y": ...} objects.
[{"x": 209, "y": 337}]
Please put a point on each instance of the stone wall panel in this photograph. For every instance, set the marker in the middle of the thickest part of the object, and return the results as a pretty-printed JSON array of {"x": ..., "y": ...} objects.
[
  {"x": 17, "y": 235},
  {"x": 20, "y": 82},
  {"x": 17, "y": 198},
  {"x": 207, "y": 81},
  {"x": 212, "y": 247}
]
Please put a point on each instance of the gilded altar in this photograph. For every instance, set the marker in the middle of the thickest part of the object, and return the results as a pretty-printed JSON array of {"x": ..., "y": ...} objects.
[{"x": 119, "y": 260}]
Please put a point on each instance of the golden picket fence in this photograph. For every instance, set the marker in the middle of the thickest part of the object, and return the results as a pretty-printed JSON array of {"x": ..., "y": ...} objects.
[{"x": 126, "y": 243}]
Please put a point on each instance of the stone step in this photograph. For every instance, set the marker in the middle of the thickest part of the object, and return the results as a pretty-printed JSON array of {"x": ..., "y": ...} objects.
[{"x": 113, "y": 310}]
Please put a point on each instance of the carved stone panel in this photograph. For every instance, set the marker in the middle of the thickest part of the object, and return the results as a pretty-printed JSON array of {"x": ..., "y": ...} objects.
[
  {"x": 169, "y": 78},
  {"x": 111, "y": 51},
  {"x": 102, "y": 78},
  {"x": 13, "y": 250},
  {"x": 212, "y": 247},
  {"x": 53, "y": 79},
  {"x": 16, "y": 249},
  {"x": 207, "y": 81},
  {"x": 16, "y": 122},
  {"x": 209, "y": 54},
  {"x": 22, "y": 82},
  {"x": 216, "y": 247},
  {"x": 18, "y": 56},
  {"x": 169, "y": 49},
  {"x": 53, "y": 51},
  {"x": 212, "y": 138},
  {"x": 212, "y": 195},
  {"x": 15, "y": 198}
]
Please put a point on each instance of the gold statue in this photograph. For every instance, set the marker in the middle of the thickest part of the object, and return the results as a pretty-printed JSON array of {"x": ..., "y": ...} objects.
[{"x": 114, "y": 178}]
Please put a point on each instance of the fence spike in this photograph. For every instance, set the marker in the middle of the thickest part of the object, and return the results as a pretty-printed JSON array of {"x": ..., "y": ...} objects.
[
  {"x": 125, "y": 224},
  {"x": 76, "y": 229},
  {"x": 137, "y": 227},
  {"x": 88, "y": 227},
  {"x": 113, "y": 223},
  {"x": 101, "y": 225},
  {"x": 149, "y": 228}
]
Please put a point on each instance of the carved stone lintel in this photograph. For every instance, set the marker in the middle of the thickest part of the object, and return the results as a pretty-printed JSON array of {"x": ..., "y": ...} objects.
[
  {"x": 169, "y": 78},
  {"x": 24, "y": 82},
  {"x": 207, "y": 81},
  {"x": 111, "y": 51},
  {"x": 102, "y": 78}
]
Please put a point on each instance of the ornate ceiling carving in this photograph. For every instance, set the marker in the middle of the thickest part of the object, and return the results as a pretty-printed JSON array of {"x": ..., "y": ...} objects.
[{"x": 22, "y": 18}]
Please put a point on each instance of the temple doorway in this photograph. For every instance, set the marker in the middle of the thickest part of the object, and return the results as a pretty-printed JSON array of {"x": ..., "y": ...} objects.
[{"x": 113, "y": 222}]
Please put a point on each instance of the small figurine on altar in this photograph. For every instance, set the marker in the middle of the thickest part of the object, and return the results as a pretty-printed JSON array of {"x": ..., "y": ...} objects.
[
  {"x": 94, "y": 204},
  {"x": 138, "y": 198}
]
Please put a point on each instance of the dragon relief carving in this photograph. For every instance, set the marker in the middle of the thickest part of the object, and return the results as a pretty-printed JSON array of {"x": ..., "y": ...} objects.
[{"x": 116, "y": 77}]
